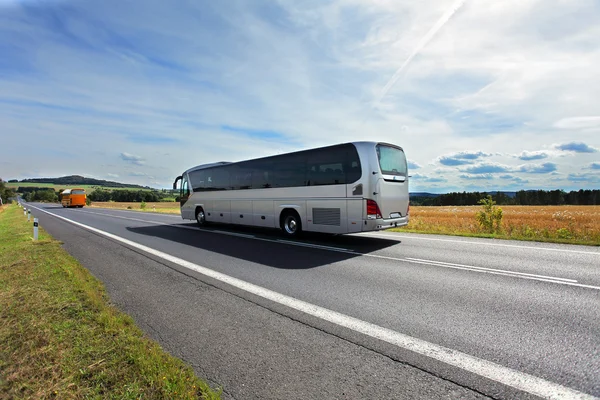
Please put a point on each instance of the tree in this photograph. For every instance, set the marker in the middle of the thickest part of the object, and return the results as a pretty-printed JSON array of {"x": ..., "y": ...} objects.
[
  {"x": 6, "y": 193},
  {"x": 490, "y": 218}
]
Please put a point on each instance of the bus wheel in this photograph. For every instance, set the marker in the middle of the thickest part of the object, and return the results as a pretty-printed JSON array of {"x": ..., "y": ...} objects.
[
  {"x": 291, "y": 225},
  {"x": 200, "y": 217}
]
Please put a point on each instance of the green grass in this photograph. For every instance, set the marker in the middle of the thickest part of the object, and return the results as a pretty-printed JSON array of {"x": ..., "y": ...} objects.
[
  {"x": 56, "y": 187},
  {"x": 60, "y": 337}
]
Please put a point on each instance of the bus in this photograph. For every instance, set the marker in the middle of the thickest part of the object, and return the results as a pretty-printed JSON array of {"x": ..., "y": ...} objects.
[
  {"x": 344, "y": 188},
  {"x": 73, "y": 198}
]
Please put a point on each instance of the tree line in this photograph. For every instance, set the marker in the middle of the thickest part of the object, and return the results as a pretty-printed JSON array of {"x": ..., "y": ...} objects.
[
  {"x": 75, "y": 180},
  {"x": 522, "y": 197},
  {"x": 120, "y": 195},
  {"x": 128, "y": 195}
]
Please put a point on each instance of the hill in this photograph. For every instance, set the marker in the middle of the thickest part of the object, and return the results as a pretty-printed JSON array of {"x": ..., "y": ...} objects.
[{"x": 73, "y": 180}]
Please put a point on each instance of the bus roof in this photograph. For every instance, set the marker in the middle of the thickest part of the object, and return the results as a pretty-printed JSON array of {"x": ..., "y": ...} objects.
[
  {"x": 68, "y": 191},
  {"x": 203, "y": 166}
]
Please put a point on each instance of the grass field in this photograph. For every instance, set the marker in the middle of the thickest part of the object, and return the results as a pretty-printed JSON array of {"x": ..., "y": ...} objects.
[
  {"x": 61, "y": 339},
  {"x": 88, "y": 188},
  {"x": 563, "y": 224}
]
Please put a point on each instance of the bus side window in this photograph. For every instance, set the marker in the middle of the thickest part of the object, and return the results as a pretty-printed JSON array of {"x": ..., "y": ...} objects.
[
  {"x": 326, "y": 166},
  {"x": 353, "y": 167},
  {"x": 261, "y": 179},
  {"x": 185, "y": 190},
  {"x": 289, "y": 171}
]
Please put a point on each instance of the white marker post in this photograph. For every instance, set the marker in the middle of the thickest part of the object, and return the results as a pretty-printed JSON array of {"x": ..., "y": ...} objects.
[
  {"x": 28, "y": 215},
  {"x": 35, "y": 229},
  {"x": 24, "y": 211}
]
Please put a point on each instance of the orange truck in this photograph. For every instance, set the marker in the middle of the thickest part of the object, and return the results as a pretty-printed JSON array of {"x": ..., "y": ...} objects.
[{"x": 73, "y": 198}]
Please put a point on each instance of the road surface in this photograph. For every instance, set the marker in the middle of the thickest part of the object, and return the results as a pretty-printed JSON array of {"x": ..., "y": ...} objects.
[{"x": 377, "y": 315}]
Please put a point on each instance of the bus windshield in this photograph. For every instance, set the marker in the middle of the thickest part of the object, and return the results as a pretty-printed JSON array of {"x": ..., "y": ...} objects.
[{"x": 392, "y": 160}]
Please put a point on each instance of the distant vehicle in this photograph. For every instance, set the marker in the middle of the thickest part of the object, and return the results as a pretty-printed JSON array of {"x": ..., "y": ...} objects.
[
  {"x": 345, "y": 188},
  {"x": 73, "y": 198}
]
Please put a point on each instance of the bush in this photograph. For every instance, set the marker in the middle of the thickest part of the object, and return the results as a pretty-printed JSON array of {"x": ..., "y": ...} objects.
[
  {"x": 143, "y": 205},
  {"x": 490, "y": 218},
  {"x": 564, "y": 233},
  {"x": 88, "y": 201}
]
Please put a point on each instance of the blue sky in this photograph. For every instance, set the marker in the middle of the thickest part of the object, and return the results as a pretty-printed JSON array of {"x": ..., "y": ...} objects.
[{"x": 481, "y": 95}]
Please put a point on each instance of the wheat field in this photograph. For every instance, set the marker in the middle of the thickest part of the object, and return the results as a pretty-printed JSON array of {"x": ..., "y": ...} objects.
[
  {"x": 162, "y": 207},
  {"x": 569, "y": 224},
  {"x": 579, "y": 224}
]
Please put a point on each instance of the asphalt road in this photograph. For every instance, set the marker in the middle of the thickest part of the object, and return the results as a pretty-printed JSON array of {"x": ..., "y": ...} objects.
[{"x": 531, "y": 309}]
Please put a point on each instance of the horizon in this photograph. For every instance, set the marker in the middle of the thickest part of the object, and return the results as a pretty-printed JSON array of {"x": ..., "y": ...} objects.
[
  {"x": 489, "y": 191},
  {"x": 119, "y": 92}
]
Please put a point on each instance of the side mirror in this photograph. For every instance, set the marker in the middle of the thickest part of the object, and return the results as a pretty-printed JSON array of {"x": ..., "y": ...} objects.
[{"x": 176, "y": 180}]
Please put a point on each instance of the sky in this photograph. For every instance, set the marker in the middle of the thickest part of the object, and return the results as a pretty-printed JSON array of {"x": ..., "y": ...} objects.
[{"x": 481, "y": 95}]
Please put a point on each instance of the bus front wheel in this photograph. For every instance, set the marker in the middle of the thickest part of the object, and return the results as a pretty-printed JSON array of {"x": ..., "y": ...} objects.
[
  {"x": 291, "y": 225},
  {"x": 200, "y": 217}
]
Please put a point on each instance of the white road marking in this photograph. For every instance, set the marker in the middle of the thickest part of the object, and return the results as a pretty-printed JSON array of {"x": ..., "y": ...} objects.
[
  {"x": 507, "y": 376},
  {"x": 443, "y": 263},
  {"x": 316, "y": 246},
  {"x": 233, "y": 234},
  {"x": 511, "y": 275},
  {"x": 400, "y": 236},
  {"x": 501, "y": 272}
]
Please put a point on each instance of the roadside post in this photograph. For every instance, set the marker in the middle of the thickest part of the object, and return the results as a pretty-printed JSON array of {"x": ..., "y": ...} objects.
[
  {"x": 28, "y": 215},
  {"x": 24, "y": 211},
  {"x": 35, "y": 229}
]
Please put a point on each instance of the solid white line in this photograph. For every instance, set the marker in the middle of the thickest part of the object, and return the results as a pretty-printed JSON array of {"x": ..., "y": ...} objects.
[
  {"x": 390, "y": 236},
  {"x": 443, "y": 263},
  {"x": 233, "y": 234},
  {"x": 511, "y": 275},
  {"x": 516, "y": 379},
  {"x": 316, "y": 246}
]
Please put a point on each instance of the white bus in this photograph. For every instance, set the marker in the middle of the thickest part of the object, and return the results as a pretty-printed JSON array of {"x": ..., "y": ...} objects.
[{"x": 345, "y": 188}]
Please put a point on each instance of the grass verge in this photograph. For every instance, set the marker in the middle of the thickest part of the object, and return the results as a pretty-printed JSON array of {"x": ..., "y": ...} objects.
[{"x": 62, "y": 339}]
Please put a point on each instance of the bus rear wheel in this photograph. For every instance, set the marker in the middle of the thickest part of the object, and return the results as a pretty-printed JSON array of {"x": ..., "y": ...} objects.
[
  {"x": 290, "y": 222},
  {"x": 200, "y": 217}
]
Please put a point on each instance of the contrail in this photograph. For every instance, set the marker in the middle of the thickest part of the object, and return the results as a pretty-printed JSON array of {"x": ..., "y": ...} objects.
[{"x": 422, "y": 43}]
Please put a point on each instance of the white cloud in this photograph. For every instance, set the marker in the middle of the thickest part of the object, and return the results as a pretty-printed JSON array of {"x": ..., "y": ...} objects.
[
  {"x": 532, "y": 155},
  {"x": 137, "y": 160}
]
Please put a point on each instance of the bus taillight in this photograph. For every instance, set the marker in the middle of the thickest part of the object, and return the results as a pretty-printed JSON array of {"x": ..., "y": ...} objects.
[{"x": 373, "y": 211}]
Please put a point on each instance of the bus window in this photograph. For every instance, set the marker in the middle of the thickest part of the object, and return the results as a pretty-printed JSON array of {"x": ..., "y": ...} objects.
[
  {"x": 391, "y": 160},
  {"x": 197, "y": 180},
  {"x": 241, "y": 176},
  {"x": 184, "y": 191},
  {"x": 261, "y": 175},
  {"x": 353, "y": 167},
  {"x": 289, "y": 171},
  {"x": 218, "y": 178},
  {"x": 327, "y": 166}
]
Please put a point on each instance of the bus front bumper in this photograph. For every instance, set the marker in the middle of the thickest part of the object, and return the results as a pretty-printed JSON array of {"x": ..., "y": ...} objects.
[{"x": 380, "y": 224}]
